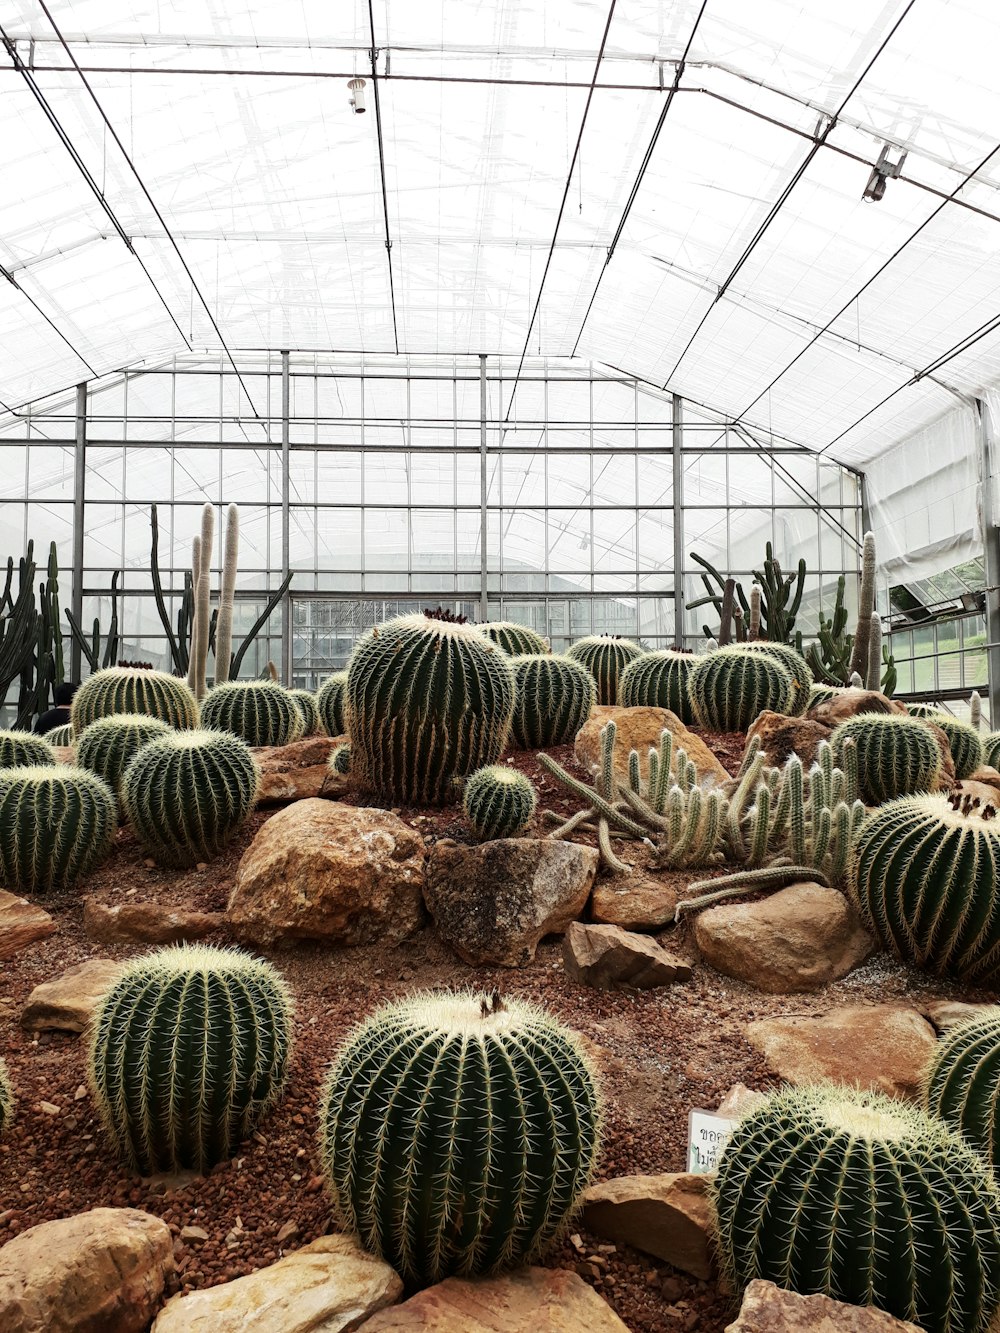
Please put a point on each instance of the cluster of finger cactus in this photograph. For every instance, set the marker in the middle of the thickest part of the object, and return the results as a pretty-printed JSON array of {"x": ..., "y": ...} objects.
[
  {"x": 260, "y": 712},
  {"x": 189, "y": 1050},
  {"x": 133, "y": 690},
  {"x": 659, "y": 680},
  {"x": 187, "y": 793},
  {"x": 109, "y": 745},
  {"x": 553, "y": 697},
  {"x": 458, "y": 1133},
  {"x": 499, "y": 802},
  {"x": 330, "y": 699},
  {"x": 796, "y": 666},
  {"x": 428, "y": 700},
  {"x": 56, "y": 824},
  {"x": 964, "y": 742},
  {"x": 308, "y": 707},
  {"x": 605, "y": 656},
  {"x": 897, "y": 755},
  {"x": 731, "y": 686},
  {"x": 513, "y": 638},
  {"x": 20, "y": 749},
  {"x": 962, "y": 1083},
  {"x": 6, "y": 1097},
  {"x": 865, "y": 1199}
]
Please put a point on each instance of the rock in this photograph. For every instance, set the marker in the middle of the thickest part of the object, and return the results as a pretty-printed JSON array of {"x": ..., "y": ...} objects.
[
  {"x": 103, "y": 1271},
  {"x": 67, "y": 1004},
  {"x": 146, "y": 922},
  {"x": 740, "y": 1101},
  {"x": 298, "y": 771},
  {"x": 946, "y": 1013},
  {"x": 198, "y": 1235},
  {"x": 798, "y": 939},
  {"x": 633, "y": 903},
  {"x": 328, "y": 1286},
  {"x": 322, "y": 871},
  {"x": 668, "y": 1216},
  {"x": 494, "y": 902},
  {"x": 609, "y": 958},
  {"x": 884, "y": 1047},
  {"x": 781, "y": 737},
  {"x": 768, "y": 1309},
  {"x": 988, "y": 776},
  {"x": 21, "y": 923},
  {"x": 849, "y": 703},
  {"x": 638, "y": 729},
  {"x": 530, "y": 1300}
]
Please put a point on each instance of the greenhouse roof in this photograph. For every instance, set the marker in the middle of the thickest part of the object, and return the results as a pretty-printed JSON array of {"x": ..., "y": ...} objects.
[{"x": 677, "y": 191}]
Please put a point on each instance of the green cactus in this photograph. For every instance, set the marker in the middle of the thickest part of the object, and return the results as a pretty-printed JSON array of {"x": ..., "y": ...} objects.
[
  {"x": 924, "y": 711},
  {"x": 514, "y": 639},
  {"x": 822, "y": 694},
  {"x": 964, "y": 742},
  {"x": 308, "y": 707},
  {"x": 133, "y": 690},
  {"x": 6, "y": 1097},
  {"x": 109, "y": 745},
  {"x": 458, "y": 1133},
  {"x": 991, "y": 749},
  {"x": 796, "y": 666},
  {"x": 864, "y": 1199},
  {"x": 189, "y": 1050},
  {"x": 428, "y": 700},
  {"x": 61, "y": 736},
  {"x": 554, "y": 696},
  {"x": 21, "y": 749},
  {"x": 499, "y": 802},
  {"x": 56, "y": 824},
  {"x": 340, "y": 760},
  {"x": 731, "y": 686},
  {"x": 260, "y": 712},
  {"x": 659, "y": 680},
  {"x": 605, "y": 656},
  {"x": 330, "y": 700},
  {"x": 897, "y": 755},
  {"x": 961, "y": 1086},
  {"x": 186, "y": 794}
]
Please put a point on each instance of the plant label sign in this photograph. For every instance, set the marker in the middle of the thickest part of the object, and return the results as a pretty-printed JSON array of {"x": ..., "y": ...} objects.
[{"x": 708, "y": 1135}]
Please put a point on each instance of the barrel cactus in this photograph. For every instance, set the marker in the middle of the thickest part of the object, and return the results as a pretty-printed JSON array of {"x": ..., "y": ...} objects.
[
  {"x": 330, "y": 701},
  {"x": 605, "y": 656},
  {"x": 554, "y": 696},
  {"x": 897, "y": 755},
  {"x": 796, "y": 666},
  {"x": 731, "y": 686},
  {"x": 964, "y": 742},
  {"x": 6, "y": 1097},
  {"x": 260, "y": 712},
  {"x": 962, "y": 1083},
  {"x": 659, "y": 680},
  {"x": 991, "y": 749},
  {"x": 865, "y": 1199},
  {"x": 514, "y": 639},
  {"x": 109, "y": 745},
  {"x": 56, "y": 824},
  {"x": 340, "y": 759},
  {"x": 428, "y": 700},
  {"x": 133, "y": 690},
  {"x": 186, "y": 794},
  {"x": 458, "y": 1133},
  {"x": 189, "y": 1049},
  {"x": 20, "y": 749},
  {"x": 924, "y": 711},
  {"x": 308, "y": 707},
  {"x": 61, "y": 736},
  {"x": 499, "y": 802}
]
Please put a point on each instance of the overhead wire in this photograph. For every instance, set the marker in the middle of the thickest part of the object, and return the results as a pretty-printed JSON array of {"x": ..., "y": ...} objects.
[{"x": 381, "y": 168}]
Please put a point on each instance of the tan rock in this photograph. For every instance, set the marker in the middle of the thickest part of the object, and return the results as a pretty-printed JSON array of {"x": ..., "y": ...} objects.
[
  {"x": 297, "y": 771},
  {"x": 946, "y": 1013},
  {"x": 494, "y": 902},
  {"x": 799, "y": 939},
  {"x": 609, "y": 958},
  {"x": 146, "y": 922},
  {"x": 849, "y": 703},
  {"x": 98, "y": 1272},
  {"x": 633, "y": 903},
  {"x": 884, "y": 1047},
  {"x": 740, "y": 1101},
  {"x": 326, "y": 1287},
  {"x": 531, "y": 1300},
  {"x": 68, "y": 1003},
  {"x": 668, "y": 1216},
  {"x": 639, "y": 729},
  {"x": 318, "y": 870},
  {"x": 988, "y": 776},
  {"x": 781, "y": 737},
  {"x": 769, "y": 1309},
  {"x": 21, "y": 923}
]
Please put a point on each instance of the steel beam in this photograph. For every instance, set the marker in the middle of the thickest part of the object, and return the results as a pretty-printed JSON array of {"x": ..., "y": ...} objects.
[
  {"x": 79, "y": 522},
  {"x": 286, "y": 533},
  {"x": 677, "y": 434},
  {"x": 484, "y": 609},
  {"x": 991, "y": 548}
]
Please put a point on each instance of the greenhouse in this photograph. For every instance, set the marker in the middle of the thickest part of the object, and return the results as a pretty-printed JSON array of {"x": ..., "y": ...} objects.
[{"x": 500, "y": 666}]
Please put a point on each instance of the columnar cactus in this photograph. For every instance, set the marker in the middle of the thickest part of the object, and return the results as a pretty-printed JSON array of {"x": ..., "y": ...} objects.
[
  {"x": 962, "y": 1083},
  {"x": 186, "y": 794},
  {"x": 428, "y": 700},
  {"x": 109, "y": 745},
  {"x": 605, "y": 656},
  {"x": 6, "y": 1097},
  {"x": 925, "y": 883},
  {"x": 514, "y": 639},
  {"x": 20, "y": 749},
  {"x": 659, "y": 680},
  {"x": 56, "y": 824},
  {"x": 865, "y": 1199},
  {"x": 897, "y": 755},
  {"x": 306, "y": 701},
  {"x": 133, "y": 690},
  {"x": 731, "y": 686},
  {"x": 330, "y": 701},
  {"x": 499, "y": 802},
  {"x": 964, "y": 742},
  {"x": 554, "y": 696},
  {"x": 458, "y": 1133},
  {"x": 260, "y": 712},
  {"x": 189, "y": 1050},
  {"x": 796, "y": 666}
]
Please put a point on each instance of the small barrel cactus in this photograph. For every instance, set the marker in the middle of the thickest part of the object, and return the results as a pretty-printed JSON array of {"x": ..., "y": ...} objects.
[
  {"x": 991, "y": 749},
  {"x": 60, "y": 736},
  {"x": 109, "y": 745},
  {"x": 554, "y": 696},
  {"x": 133, "y": 690},
  {"x": 458, "y": 1133},
  {"x": 964, "y": 742},
  {"x": 340, "y": 759},
  {"x": 605, "y": 656},
  {"x": 260, "y": 712},
  {"x": 6, "y": 1097},
  {"x": 330, "y": 700},
  {"x": 925, "y": 879},
  {"x": 962, "y": 1083},
  {"x": 499, "y": 802},
  {"x": 796, "y": 666},
  {"x": 513, "y": 638},
  {"x": 659, "y": 680},
  {"x": 56, "y": 824},
  {"x": 308, "y": 707},
  {"x": 923, "y": 710},
  {"x": 21, "y": 749},
  {"x": 731, "y": 686},
  {"x": 186, "y": 794},
  {"x": 897, "y": 755},
  {"x": 189, "y": 1049}
]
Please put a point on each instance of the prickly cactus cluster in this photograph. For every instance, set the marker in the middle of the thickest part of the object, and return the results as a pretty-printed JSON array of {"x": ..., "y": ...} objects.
[
  {"x": 131, "y": 690},
  {"x": 109, "y": 745},
  {"x": 259, "y": 712},
  {"x": 330, "y": 701},
  {"x": 605, "y": 656},
  {"x": 499, "y": 802},
  {"x": 513, "y": 638},
  {"x": 56, "y": 824},
  {"x": 731, "y": 686},
  {"x": 20, "y": 749},
  {"x": 659, "y": 680},
  {"x": 554, "y": 696},
  {"x": 897, "y": 755}
]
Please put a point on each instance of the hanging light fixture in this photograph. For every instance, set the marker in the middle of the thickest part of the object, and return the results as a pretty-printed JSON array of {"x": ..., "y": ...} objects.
[
  {"x": 357, "y": 87},
  {"x": 883, "y": 170}
]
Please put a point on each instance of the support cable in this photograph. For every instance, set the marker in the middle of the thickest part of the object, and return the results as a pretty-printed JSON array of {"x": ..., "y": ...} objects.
[{"x": 381, "y": 167}]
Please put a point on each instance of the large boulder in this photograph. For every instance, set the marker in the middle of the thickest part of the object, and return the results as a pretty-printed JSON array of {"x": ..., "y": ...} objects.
[
  {"x": 770, "y": 1309},
  {"x": 849, "y": 703},
  {"x": 798, "y": 939},
  {"x": 494, "y": 902},
  {"x": 146, "y": 922},
  {"x": 297, "y": 771},
  {"x": 329, "y": 1286},
  {"x": 639, "y": 729},
  {"x": 99, "y": 1272},
  {"x": 782, "y": 736},
  {"x": 68, "y": 1003},
  {"x": 634, "y": 903},
  {"x": 609, "y": 958},
  {"x": 318, "y": 870},
  {"x": 21, "y": 923},
  {"x": 668, "y": 1216}
]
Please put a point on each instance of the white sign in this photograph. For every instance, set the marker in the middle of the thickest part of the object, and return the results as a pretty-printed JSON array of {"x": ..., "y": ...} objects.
[{"x": 708, "y": 1135}]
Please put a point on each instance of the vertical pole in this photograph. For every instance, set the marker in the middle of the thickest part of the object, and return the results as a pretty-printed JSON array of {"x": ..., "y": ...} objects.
[
  {"x": 677, "y": 418},
  {"x": 484, "y": 610},
  {"x": 286, "y": 436},
  {"x": 991, "y": 548},
  {"x": 79, "y": 499}
]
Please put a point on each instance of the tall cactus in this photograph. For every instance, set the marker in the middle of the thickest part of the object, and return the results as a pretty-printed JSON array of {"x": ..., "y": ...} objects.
[
  {"x": 458, "y": 1133},
  {"x": 20, "y": 749},
  {"x": 498, "y": 802},
  {"x": 731, "y": 686},
  {"x": 6, "y": 1097},
  {"x": 189, "y": 1050},
  {"x": 227, "y": 595},
  {"x": 330, "y": 700},
  {"x": 897, "y": 755},
  {"x": 605, "y": 656},
  {"x": 976, "y": 711},
  {"x": 307, "y": 706},
  {"x": 659, "y": 680},
  {"x": 554, "y": 696},
  {"x": 56, "y": 825},
  {"x": 514, "y": 639},
  {"x": 961, "y": 1085},
  {"x": 866, "y": 606},
  {"x": 873, "y": 671},
  {"x": 109, "y": 745},
  {"x": 259, "y": 712},
  {"x": 200, "y": 628},
  {"x": 133, "y": 690}
]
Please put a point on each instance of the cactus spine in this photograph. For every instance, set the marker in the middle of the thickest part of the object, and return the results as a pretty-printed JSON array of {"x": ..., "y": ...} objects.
[
  {"x": 109, "y": 745},
  {"x": 227, "y": 595},
  {"x": 964, "y": 742},
  {"x": 6, "y": 1097},
  {"x": 20, "y": 749},
  {"x": 499, "y": 802},
  {"x": 516, "y": 640},
  {"x": 330, "y": 700},
  {"x": 306, "y": 702},
  {"x": 796, "y": 666},
  {"x": 189, "y": 1050},
  {"x": 133, "y": 690},
  {"x": 605, "y": 657},
  {"x": 553, "y": 697},
  {"x": 866, "y": 606},
  {"x": 897, "y": 755},
  {"x": 865, "y": 1199},
  {"x": 659, "y": 680},
  {"x": 56, "y": 824},
  {"x": 731, "y": 686},
  {"x": 458, "y": 1133},
  {"x": 962, "y": 1083},
  {"x": 257, "y": 711}
]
